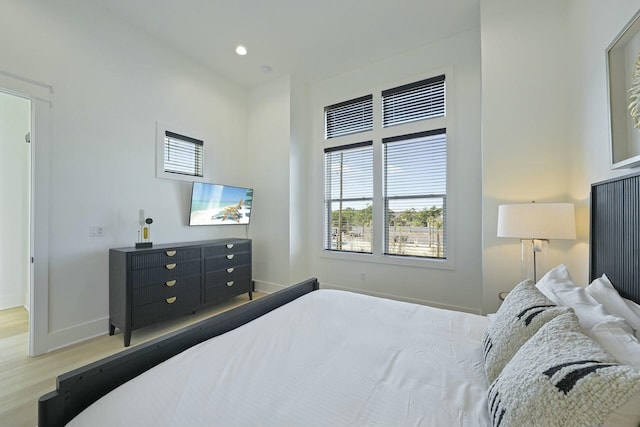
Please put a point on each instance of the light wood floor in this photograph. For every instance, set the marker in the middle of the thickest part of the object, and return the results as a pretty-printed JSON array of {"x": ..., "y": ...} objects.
[{"x": 24, "y": 379}]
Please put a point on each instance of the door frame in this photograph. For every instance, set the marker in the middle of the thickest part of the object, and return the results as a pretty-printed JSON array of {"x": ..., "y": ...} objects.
[{"x": 40, "y": 95}]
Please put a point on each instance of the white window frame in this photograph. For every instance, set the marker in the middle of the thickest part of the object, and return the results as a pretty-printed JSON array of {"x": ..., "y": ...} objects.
[
  {"x": 161, "y": 129},
  {"x": 377, "y": 135}
]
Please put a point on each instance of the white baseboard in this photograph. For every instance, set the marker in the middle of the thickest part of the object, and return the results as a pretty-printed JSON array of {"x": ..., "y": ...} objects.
[
  {"x": 11, "y": 301},
  {"x": 268, "y": 287},
  {"x": 77, "y": 333},
  {"x": 400, "y": 298}
]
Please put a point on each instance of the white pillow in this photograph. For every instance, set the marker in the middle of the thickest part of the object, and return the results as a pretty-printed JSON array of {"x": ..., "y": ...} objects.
[
  {"x": 603, "y": 291},
  {"x": 558, "y": 286},
  {"x": 560, "y": 377},
  {"x": 622, "y": 345},
  {"x": 556, "y": 281}
]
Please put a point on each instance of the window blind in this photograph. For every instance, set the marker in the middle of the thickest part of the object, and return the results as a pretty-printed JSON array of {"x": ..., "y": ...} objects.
[
  {"x": 415, "y": 101},
  {"x": 415, "y": 194},
  {"x": 182, "y": 154},
  {"x": 349, "y": 197},
  {"x": 349, "y": 117}
]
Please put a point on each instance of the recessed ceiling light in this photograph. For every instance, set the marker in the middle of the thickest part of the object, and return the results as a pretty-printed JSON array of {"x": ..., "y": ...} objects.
[{"x": 241, "y": 50}]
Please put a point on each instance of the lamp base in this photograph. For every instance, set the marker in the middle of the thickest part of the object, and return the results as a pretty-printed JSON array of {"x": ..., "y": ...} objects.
[{"x": 534, "y": 258}]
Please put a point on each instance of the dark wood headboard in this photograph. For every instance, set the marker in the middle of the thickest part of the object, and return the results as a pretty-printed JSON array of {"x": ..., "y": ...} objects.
[{"x": 615, "y": 233}]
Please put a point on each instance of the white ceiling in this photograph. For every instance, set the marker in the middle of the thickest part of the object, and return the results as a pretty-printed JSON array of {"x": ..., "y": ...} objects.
[{"x": 311, "y": 40}]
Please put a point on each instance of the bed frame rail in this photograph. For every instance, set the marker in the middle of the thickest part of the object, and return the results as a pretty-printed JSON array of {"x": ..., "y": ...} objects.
[{"x": 77, "y": 389}]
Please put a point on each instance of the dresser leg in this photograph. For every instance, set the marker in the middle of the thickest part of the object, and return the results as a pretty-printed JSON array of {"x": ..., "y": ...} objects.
[
  {"x": 127, "y": 338},
  {"x": 250, "y": 295},
  {"x": 112, "y": 329}
]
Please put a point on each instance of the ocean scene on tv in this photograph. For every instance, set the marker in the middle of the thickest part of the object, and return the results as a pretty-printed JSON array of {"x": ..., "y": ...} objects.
[{"x": 213, "y": 204}]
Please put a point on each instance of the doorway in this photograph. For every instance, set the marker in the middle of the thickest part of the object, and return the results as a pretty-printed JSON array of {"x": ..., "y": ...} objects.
[
  {"x": 15, "y": 193},
  {"x": 37, "y": 97}
]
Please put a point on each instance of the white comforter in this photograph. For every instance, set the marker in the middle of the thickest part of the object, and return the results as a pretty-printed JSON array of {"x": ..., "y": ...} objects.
[{"x": 329, "y": 358}]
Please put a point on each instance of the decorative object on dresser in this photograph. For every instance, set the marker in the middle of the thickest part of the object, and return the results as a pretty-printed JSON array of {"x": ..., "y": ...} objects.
[
  {"x": 146, "y": 235},
  {"x": 534, "y": 224},
  {"x": 153, "y": 284}
]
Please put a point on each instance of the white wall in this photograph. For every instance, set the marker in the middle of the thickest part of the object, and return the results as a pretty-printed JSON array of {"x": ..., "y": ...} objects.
[
  {"x": 545, "y": 127},
  {"x": 111, "y": 84},
  {"x": 269, "y": 172},
  {"x": 299, "y": 182},
  {"x": 278, "y": 168},
  {"x": 592, "y": 25},
  {"x": 15, "y": 164},
  {"x": 462, "y": 286},
  {"x": 526, "y": 149}
]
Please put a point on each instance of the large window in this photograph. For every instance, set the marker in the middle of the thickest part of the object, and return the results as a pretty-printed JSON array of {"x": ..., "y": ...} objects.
[
  {"x": 349, "y": 197},
  {"x": 415, "y": 194},
  {"x": 388, "y": 196}
]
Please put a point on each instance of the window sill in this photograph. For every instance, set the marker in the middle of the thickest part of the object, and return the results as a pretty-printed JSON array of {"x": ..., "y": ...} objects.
[{"x": 399, "y": 261}]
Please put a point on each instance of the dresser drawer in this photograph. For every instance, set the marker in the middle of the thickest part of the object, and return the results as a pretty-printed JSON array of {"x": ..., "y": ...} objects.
[
  {"x": 220, "y": 277},
  {"x": 169, "y": 307},
  {"x": 161, "y": 291},
  {"x": 166, "y": 272},
  {"x": 164, "y": 257},
  {"x": 227, "y": 248},
  {"x": 222, "y": 262},
  {"x": 228, "y": 289}
]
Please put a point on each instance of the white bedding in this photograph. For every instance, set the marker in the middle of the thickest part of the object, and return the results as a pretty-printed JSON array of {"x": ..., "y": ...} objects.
[{"x": 329, "y": 358}]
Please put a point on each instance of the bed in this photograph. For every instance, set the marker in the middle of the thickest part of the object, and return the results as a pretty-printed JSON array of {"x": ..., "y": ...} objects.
[{"x": 318, "y": 357}]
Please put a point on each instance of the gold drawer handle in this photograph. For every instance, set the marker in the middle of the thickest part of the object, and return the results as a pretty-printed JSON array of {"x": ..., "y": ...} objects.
[
  {"x": 171, "y": 266},
  {"x": 170, "y": 253},
  {"x": 230, "y": 284},
  {"x": 230, "y": 256},
  {"x": 229, "y": 245},
  {"x": 230, "y": 270},
  {"x": 171, "y": 300},
  {"x": 170, "y": 283}
]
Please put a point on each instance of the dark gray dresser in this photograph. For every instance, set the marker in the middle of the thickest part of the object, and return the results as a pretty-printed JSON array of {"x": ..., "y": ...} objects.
[{"x": 154, "y": 284}]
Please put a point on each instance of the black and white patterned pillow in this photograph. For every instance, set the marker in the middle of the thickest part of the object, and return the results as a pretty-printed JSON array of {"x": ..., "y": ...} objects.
[
  {"x": 561, "y": 377},
  {"x": 520, "y": 316}
]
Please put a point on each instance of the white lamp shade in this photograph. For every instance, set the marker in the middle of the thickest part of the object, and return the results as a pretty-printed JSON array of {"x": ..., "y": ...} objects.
[{"x": 537, "y": 221}]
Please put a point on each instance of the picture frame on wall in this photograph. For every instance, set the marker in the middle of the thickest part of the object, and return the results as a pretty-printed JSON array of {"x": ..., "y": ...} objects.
[{"x": 623, "y": 89}]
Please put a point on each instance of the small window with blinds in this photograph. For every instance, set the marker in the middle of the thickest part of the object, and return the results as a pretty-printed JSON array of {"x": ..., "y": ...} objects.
[
  {"x": 182, "y": 154},
  {"x": 415, "y": 101},
  {"x": 415, "y": 194},
  {"x": 348, "y": 198},
  {"x": 349, "y": 117}
]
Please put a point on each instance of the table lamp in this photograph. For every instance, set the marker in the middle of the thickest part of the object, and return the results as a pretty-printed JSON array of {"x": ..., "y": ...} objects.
[{"x": 535, "y": 224}]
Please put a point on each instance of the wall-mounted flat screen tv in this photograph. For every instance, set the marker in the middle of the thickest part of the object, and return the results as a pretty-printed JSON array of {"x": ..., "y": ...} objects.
[{"x": 214, "y": 204}]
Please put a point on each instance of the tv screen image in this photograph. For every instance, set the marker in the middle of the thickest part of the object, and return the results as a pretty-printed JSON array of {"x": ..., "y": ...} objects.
[{"x": 214, "y": 204}]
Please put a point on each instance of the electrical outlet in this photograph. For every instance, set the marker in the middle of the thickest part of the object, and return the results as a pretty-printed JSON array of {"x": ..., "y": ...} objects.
[{"x": 96, "y": 230}]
